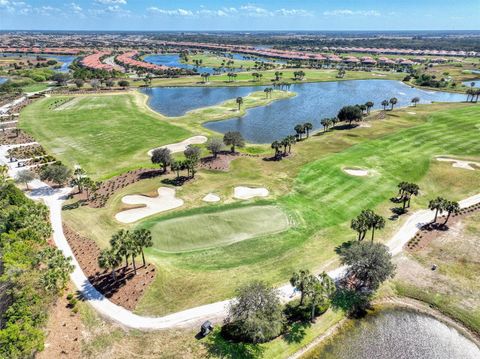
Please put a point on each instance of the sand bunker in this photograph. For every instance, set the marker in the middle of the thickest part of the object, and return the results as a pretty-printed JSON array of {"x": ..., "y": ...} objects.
[
  {"x": 211, "y": 197},
  {"x": 182, "y": 146},
  {"x": 467, "y": 165},
  {"x": 356, "y": 172},
  {"x": 163, "y": 202},
  {"x": 411, "y": 113},
  {"x": 248, "y": 192}
]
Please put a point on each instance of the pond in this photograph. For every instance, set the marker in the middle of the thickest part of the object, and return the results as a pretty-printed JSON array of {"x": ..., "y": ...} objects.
[
  {"x": 3, "y": 80},
  {"x": 313, "y": 102},
  {"x": 66, "y": 60},
  {"x": 173, "y": 60},
  {"x": 399, "y": 334}
]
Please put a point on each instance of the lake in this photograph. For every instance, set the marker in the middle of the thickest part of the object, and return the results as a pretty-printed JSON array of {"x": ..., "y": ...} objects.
[
  {"x": 397, "y": 334},
  {"x": 313, "y": 102},
  {"x": 66, "y": 60},
  {"x": 469, "y": 83}
]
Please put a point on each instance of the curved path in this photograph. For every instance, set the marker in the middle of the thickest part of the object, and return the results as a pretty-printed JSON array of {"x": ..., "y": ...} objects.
[{"x": 54, "y": 199}]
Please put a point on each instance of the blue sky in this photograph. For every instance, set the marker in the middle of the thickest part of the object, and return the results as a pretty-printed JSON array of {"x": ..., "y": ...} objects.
[{"x": 240, "y": 15}]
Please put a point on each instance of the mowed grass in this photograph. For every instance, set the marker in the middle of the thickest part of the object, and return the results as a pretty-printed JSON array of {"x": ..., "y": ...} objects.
[
  {"x": 312, "y": 188},
  {"x": 106, "y": 135},
  {"x": 208, "y": 230}
]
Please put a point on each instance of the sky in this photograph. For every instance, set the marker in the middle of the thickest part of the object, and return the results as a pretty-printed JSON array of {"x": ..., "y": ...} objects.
[{"x": 239, "y": 15}]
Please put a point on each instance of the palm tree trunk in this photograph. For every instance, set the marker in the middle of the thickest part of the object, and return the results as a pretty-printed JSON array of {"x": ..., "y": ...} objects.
[
  {"x": 143, "y": 257},
  {"x": 436, "y": 214},
  {"x": 126, "y": 261},
  {"x": 313, "y": 311},
  {"x": 448, "y": 217},
  {"x": 373, "y": 233},
  {"x": 114, "y": 275},
  {"x": 134, "y": 265}
]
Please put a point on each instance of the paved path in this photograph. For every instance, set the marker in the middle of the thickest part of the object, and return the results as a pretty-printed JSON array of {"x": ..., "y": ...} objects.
[{"x": 54, "y": 199}]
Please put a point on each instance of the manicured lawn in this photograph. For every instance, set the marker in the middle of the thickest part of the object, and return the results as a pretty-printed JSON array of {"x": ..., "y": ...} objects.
[
  {"x": 104, "y": 134},
  {"x": 209, "y": 60},
  {"x": 246, "y": 79},
  {"x": 208, "y": 230},
  {"x": 312, "y": 188}
]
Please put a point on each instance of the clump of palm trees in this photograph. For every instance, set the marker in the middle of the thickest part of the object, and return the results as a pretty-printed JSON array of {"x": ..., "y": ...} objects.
[
  {"x": 286, "y": 144},
  {"x": 268, "y": 92},
  {"x": 365, "y": 221},
  {"x": 405, "y": 192},
  {"x": 328, "y": 122},
  {"x": 302, "y": 129},
  {"x": 440, "y": 205},
  {"x": 125, "y": 245},
  {"x": 392, "y": 102}
]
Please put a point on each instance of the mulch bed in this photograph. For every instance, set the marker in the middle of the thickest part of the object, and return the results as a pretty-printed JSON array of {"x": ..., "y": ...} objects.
[
  {"x": 222, "y": 162},
  {"x": 9, "y": 137},
  {"x": 109, "y": 187},
  {"x": 431, "y": 231},
  {"x": 127, "y": 290}
]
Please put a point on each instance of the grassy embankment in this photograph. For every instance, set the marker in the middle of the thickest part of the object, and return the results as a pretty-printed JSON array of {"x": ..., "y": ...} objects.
[{"x": 313, "y": 190}]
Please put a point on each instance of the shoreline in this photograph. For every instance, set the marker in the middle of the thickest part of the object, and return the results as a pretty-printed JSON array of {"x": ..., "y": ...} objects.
[{"x": 395, "y": 303}]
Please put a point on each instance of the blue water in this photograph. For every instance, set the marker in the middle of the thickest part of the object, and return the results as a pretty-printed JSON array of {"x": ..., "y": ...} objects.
[
  {"x": 398, "y": 334},
  {"x": 65, "y": 59},
  {"x": 469, "y": 83},
  {"x": 3, "y": 80},
  {"x": 313, "y": 102},
  {"x": 175, "y": 101}
]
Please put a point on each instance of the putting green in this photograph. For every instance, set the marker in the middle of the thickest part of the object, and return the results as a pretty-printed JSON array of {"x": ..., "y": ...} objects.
[{"x": 208, "y": 230}]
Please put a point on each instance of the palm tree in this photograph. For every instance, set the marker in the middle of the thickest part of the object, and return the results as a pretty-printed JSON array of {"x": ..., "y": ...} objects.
[
  {"x": 285, "y": 142},
  {"x": 143, "y": 239},
  {"x": 319, "y": 290},
  {"x": 239, "y": 102},
  {"x": 385, "y": 104},
  {"x": 108, "y": 259},
  {"x": 291, "y": 141},
  {"x": 376, "y": 222},
  {"x": 276, "y": 146},
  {"x": 300, "y": 280},
  {"x": 369, "y": 105},
  {"x": 415, "y": 100},
  {"x": 451, "y": 207},
  {"x": 437, "y": 205},
  {"x": 325, "y": 122},
  {"x": 393, "y": 101},
  {"x": 359, "y": 225},
  {"x": 299, "y": 130},
  {"x": 120, "y": 244},
  {"x": 307, "y": 127}
]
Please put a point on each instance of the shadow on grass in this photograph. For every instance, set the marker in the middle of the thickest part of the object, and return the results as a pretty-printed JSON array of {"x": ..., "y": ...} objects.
[
  {"x": 296, "y": 332},
  {"x": 217, "y": 346},
  {"x": 177, "y": 181}
]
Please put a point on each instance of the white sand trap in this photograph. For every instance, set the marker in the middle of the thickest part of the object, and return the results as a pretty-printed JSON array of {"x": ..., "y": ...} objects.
[
  {"x": 211, "y": 197},
  {"x": 163, "y": 202},
  {"x": 412, "y": 113},
  {"x": 248, "y": 192},
  {"x": 356, "y": 172},
  {"x": 467, "y": 165},
  {"x": 182, "y": 146}
]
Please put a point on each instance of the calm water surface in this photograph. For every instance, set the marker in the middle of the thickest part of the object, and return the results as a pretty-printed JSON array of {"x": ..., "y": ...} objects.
[
  {"x": 3, "y": 80},
  {"x": 469, "y": 83},
  {"x": 65, "y": 59},
  {"x": 173, "y": 60},
  {"x": 313, "y": 102},
  {"x": 398, "y": 334}
]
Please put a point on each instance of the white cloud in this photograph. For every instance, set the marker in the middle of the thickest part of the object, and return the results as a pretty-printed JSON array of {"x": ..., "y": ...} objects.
[
  {"x": 75, "y": 7},
  {"x": 170, "y": 12},
  {"x": 112, "y": 2},
  {"x": 244, "y": 10},
  {"x": 347, "y": 12}
]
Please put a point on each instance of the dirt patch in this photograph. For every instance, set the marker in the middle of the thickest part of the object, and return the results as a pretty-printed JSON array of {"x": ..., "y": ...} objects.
[
  {"x": 14, "y": 137},
  {"x": 127, "y": 290},
  {"x": 64, "y": 329},
  {"x": 431, "y": 231}
]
